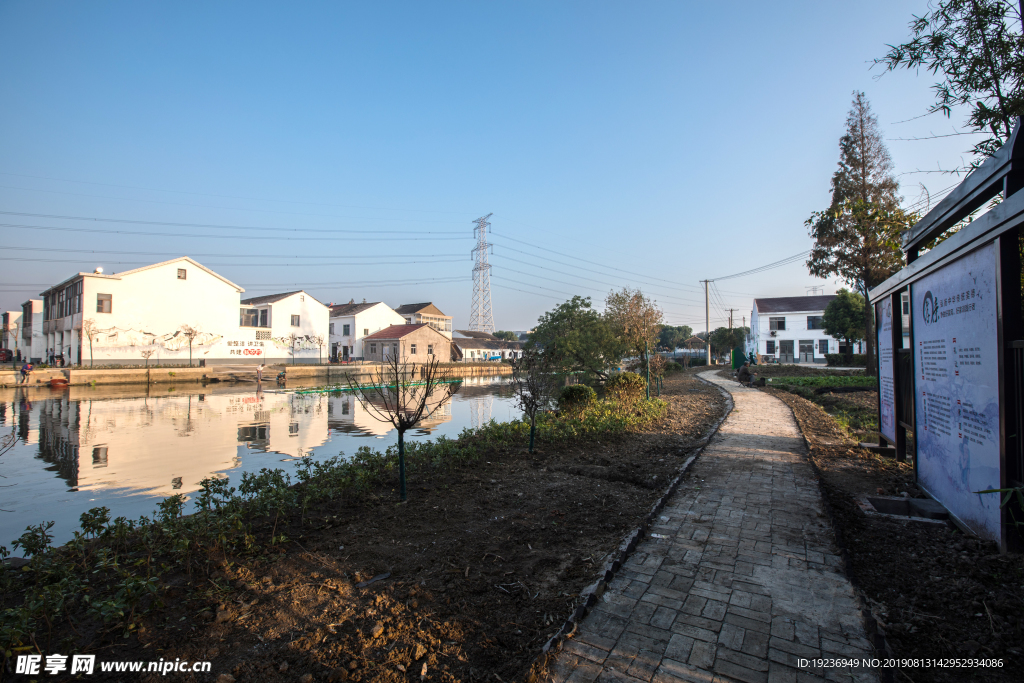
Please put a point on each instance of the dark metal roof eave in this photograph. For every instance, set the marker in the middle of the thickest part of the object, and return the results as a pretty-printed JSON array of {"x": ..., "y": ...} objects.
[{"x": 1007, "y": 216}]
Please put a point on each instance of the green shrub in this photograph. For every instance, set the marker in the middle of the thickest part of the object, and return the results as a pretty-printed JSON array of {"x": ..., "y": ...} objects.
[
  {"x": 857, "y": 360},
  {"x": 576, "y": 398},
  {"x": 697, "y": 362},
  {"x": 673, "y": 366},
  {"x": 626, "y": 388}
]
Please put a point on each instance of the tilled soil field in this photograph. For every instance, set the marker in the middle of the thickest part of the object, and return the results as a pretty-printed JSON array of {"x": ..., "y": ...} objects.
[
  {"x": 465, "y": 582},
  {"x": 936, "y": 592}
]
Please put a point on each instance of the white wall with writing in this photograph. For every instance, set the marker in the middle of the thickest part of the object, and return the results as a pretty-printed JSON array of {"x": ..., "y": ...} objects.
[{"x": 957, "y": 388}]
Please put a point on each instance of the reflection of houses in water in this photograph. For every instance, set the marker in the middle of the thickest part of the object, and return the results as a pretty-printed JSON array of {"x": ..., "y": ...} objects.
[
  {"x": 169, "y": 444},
  {"x": 349, "y": 415}
]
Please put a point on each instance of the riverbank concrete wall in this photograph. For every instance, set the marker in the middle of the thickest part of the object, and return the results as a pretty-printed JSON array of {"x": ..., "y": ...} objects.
[{"x": 320, "y": 373}]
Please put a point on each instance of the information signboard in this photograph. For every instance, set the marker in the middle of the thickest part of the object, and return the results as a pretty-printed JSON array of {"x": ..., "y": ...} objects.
[
  {"x": 957, "y": 387},
  {"x": 886, "y": 370}
]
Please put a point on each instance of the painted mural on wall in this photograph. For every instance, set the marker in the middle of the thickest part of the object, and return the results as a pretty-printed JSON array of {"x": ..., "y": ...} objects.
[
  {"x": 116, "y": 338},
  {"x": 886, "y": 371},
  {"x": 957, "y": 388}
]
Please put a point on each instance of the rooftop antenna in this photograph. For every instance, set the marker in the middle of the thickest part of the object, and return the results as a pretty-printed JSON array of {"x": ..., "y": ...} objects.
[
  {"x": 480, "y": 317},
  {"x": 813, "y": 290}
]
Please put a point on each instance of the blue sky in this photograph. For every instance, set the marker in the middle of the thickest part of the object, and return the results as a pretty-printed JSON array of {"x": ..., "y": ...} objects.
[{"x": 658, "y": 143}]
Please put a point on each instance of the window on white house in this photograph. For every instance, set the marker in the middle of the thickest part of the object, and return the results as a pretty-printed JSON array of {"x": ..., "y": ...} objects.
[
  {"x": 409, "y": 320},
  {"x": 263, "y": 318},
  {"x": 823, "y": 346},
  {"x": 366, "y": 331},
  {"x": 430, "y": 349},
  {"x": 295, "y": 321},
  {"x": 182, "y": 274},
  {"x": 344, "y": 330},
  {"x": 373, "y": 348},
  {"x": 412, "y": 349},
  {"x": 814, "y": 322},
  {"x": 330, "y": 328},
  {"x": 104, "y": 303},
  {"x": 769, "y": 348},
  {"x": 777, "y": 323},
  {"x": 247, "y": 317}
]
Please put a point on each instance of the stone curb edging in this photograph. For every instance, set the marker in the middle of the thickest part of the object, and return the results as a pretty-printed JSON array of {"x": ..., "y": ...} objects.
[
  {"x": 875, "y": 633},
  {"x": 592, "y": 593}
]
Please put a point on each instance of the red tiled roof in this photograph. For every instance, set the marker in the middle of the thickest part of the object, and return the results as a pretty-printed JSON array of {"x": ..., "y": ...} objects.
[{"x": 395, "y": 331}]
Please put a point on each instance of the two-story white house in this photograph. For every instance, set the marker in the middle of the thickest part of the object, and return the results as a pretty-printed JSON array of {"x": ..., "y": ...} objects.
[
  {"x": 352, "y": 322},
  {"x": 294, "y": 326},
  {"x": 168, "y": 310},
  {"x": 789, "y": 330}
]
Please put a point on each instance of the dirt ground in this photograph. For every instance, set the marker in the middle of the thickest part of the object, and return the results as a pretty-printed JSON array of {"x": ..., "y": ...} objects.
[
  {"x": 465, "y": 582},
  {"x": 937, "y": 592}
]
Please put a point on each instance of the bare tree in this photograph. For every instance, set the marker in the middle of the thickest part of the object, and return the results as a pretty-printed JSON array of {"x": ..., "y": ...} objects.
[
  {"x": 190, "y": 332},
  {"x": 535, "y": 386},
  {"x": 320, "y": 341},
  {"x": 12, "y": 330},
  {"x": 392, "y": 396},
  {"x": 89, "y": 331}
]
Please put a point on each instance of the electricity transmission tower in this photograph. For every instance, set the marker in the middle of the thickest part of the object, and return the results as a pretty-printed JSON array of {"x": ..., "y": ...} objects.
[{"x": 480, "y": 317}]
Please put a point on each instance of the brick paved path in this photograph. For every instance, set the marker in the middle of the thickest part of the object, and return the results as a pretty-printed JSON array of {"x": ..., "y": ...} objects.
[{"x": 738, "y": 581}]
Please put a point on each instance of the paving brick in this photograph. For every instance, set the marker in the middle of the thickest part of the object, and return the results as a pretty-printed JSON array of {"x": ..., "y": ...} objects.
[
  {"x": 702, "y": 655},
  {"x": 739, "y": 672},
  {"x": 755, "y": 644},
  {"x": 782, "y": 627},
  {"x": 672, "y": 671},
  {"x": 679, "y": 647},
  {"x": 584, "y": 650}
]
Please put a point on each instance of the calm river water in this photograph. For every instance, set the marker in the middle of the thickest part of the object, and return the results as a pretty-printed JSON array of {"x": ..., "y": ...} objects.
[{"x": 127, "y": 449}]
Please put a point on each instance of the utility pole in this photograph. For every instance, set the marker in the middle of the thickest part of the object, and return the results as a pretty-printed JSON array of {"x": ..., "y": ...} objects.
[
  {"x": 730, "y": 317},
  {"x": 707, "y": 321}
]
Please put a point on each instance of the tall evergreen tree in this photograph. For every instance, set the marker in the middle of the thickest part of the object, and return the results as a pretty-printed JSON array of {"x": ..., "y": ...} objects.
[{"x": 858, "y": 237}]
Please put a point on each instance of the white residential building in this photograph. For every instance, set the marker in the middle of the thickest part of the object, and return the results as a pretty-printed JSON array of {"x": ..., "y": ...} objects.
[
  {"x": 9, "y": 331},
  {"x": 115, "y": 318},
  {"x": 32, "y": 343},
  {"x": 350, "y": 323},
  {"x": 788, "y": 329},
  {"x": 293, "y": 327}
]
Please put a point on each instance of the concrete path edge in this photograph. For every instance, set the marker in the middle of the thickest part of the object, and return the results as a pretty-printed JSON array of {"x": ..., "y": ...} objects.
[{"x": 593, "y": 592}]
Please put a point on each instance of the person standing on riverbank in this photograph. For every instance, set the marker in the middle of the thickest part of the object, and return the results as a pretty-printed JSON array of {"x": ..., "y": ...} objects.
[
  {"x": 26, "y": 370},
  {"x": 259, "y": 373}
]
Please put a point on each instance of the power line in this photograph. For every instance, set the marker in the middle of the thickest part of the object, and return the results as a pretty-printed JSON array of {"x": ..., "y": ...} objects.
[
  {"x": 760, "y": 269},
  {"x": 216, "y": 226},
  {"x": 360, "y": 283},
  {"x": 174, "y": 254},
  {"x": 593, "y": 263},
  {"x": 227, "y": 237},
  {"x": 226, "y": 196},
  {"x": 276, "y": 264},
  {"x": 609, "y": 284},
  {"x": 211, "y": 206}
]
